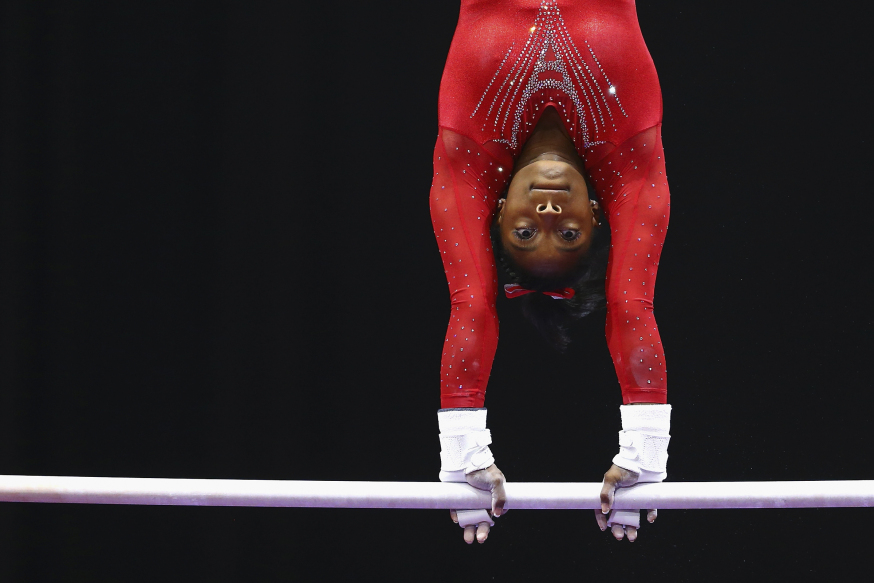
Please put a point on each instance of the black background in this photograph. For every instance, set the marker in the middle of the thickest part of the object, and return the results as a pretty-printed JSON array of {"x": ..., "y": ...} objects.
[{"x": 217, "y": 262}]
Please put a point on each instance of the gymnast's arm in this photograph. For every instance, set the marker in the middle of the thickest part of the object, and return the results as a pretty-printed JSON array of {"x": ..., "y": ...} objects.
[
  {"x": 633, "y": 187},
  {"x": 462, "y": 206}
]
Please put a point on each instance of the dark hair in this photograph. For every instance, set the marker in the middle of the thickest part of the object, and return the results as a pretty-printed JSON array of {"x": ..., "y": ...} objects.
[{"x": 552, "y": 317}]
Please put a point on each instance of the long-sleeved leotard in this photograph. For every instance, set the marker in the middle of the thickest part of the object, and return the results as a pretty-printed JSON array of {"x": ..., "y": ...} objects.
[{"x": 509, "y": 60}]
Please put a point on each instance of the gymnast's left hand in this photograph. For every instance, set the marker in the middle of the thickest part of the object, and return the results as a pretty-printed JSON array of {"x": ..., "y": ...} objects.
[
  {"x": 617, "y": 477},
  {"x": 492, "y": 480}
]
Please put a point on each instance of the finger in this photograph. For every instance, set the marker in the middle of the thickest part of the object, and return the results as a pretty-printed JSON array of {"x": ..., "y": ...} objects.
[
  {"x": 454, "y": 516},
  {"x": 607, "y": 490},
  {"x": 618, "y": 531},
  {"x": 482, "y": 532},
  {"x": 631, "y": 532},
  {"x": 651, "y": 515},
  {"x": 491, "y": 479},
  {"x": 601, "y": 519},
  {"x": 469, "y": 533},
  {"x": 499, "y": 499}
]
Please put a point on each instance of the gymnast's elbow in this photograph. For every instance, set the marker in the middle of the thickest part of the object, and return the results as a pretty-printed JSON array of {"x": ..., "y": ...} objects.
[{"x": 473, "y": 305}]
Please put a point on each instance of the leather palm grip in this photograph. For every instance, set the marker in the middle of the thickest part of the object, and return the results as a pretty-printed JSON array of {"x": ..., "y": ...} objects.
[
  {"x": 624, "y": 517},
  {"x": 473, "y": 517}
]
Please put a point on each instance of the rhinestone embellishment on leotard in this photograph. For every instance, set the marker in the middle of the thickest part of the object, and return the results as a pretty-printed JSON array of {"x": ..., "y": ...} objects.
[{"x": 517, "y": 79}]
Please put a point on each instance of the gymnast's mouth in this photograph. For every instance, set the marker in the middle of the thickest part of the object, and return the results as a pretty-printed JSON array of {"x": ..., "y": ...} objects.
[{"x": 557, "y": 188}]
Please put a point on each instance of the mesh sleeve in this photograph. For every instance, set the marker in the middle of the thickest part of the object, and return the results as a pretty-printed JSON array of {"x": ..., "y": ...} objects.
[
  {"x": 463, "y": 200},
  {"x": 632, "y": 185}
]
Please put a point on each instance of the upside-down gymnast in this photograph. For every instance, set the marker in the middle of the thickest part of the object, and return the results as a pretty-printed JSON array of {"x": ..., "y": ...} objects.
[{"x": 550, "y": 135}]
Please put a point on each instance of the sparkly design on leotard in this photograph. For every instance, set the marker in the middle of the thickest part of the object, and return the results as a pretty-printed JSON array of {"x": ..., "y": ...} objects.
[
  {"x": 619, "y": 142},
  {"x": 549, "y": 48}
]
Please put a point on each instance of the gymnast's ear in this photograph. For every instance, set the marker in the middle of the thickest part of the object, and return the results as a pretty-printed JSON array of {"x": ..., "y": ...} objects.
[
  {"x": 501, "y": 202},
  {"x": 596, "y": 212}
]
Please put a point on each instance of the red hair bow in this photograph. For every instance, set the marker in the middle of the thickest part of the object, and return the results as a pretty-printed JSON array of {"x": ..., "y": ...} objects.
[{"x": 514, "y": 291}]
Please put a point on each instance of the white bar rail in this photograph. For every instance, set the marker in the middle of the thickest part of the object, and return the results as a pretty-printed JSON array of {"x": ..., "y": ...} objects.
[{"x": 520, "y": 495}]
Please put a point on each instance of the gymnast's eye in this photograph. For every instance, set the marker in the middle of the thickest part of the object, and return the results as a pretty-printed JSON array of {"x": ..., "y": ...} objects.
[
  {"x": 569, "y": 234},
  {"x": 524, "y": 233}
]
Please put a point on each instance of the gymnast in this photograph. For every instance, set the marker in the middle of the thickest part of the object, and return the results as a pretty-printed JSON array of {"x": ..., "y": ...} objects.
[{"x": 549, "y": 161}]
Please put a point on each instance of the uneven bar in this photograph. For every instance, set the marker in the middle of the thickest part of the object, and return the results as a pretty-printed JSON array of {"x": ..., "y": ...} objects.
[{"x": 434, "y": 495}]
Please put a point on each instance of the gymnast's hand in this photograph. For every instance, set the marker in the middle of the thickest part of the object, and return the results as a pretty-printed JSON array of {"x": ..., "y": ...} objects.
[
  {"x": 491, "y": 479},
  {"x": 617, "y": 477}
]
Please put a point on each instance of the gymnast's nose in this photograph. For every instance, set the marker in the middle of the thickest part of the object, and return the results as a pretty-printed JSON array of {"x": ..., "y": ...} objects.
[{"x": 548, "y": 208}]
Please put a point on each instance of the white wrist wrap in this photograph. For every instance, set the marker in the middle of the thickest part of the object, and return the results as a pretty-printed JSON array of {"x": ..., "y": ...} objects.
[
  {"x": 643, "y": 441},
  {"x": 464, "y": 442}
]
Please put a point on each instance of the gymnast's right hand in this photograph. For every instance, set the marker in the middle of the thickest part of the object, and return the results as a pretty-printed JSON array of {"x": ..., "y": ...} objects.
[{"x": 491, "y": 479}]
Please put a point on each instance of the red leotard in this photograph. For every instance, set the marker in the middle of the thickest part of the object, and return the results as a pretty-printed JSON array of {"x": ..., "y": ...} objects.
[{"x": 509, "y": 60}]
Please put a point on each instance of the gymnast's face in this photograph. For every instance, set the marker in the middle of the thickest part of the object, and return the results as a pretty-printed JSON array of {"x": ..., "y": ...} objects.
[{"x": 547, "y": 220}]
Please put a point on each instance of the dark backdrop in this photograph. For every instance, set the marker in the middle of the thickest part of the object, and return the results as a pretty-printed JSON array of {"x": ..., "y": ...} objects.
[{"x": 217, "y": 262}]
